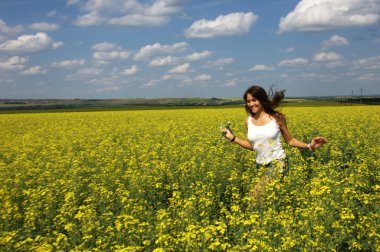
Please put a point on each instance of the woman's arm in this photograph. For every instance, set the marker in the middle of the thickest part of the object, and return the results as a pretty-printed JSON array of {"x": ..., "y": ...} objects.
[
  {"x": 243, "y": 143},
  {"x": 315, "y": 143}
]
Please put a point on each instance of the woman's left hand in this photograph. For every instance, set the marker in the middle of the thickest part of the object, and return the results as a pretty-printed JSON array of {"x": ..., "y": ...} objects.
[
  {"x": 228, "y": 133},
  {"x": 317, "y": 142}
]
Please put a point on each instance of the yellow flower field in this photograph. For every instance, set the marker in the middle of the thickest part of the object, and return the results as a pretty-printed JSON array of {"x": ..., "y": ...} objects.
[{"x": 165, "y": 180}]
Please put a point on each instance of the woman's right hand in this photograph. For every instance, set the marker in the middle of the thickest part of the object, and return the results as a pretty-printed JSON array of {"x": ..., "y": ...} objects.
[
  {"x": 317, "y": 142},
  {"x": 228, "y": 133}
]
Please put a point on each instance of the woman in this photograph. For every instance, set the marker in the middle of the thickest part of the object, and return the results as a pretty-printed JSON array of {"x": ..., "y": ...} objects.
[{"x": 264, "y": 126}]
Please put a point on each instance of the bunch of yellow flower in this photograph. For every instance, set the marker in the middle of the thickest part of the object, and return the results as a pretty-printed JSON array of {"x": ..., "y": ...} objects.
[{"x": 125, "y": 181}]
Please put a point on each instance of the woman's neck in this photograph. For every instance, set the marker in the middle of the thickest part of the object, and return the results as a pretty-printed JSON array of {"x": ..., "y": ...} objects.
[{"x": 260, "y": 115}]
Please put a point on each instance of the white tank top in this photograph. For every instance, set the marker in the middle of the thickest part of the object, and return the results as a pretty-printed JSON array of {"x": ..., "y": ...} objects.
[{"x": 266, "y": 141}]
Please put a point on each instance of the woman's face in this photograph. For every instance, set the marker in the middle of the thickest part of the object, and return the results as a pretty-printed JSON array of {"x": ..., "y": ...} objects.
[{"x": 253, "y": 104}]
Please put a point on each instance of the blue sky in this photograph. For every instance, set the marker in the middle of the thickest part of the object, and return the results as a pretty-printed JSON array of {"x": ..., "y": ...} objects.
[{"x": 183, "y": 48}]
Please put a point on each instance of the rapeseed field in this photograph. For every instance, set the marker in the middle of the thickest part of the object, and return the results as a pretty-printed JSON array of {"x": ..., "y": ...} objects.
[{"x": 165, "y": 180}]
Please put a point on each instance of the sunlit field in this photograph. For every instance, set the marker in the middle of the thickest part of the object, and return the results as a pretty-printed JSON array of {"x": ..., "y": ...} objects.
[{"x": 165, "y": 180}]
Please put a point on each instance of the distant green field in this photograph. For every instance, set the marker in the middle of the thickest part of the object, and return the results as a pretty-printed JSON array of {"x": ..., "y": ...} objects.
[
  {"x": 78, "y": 105},
  {"x": 311, "y": 103}
]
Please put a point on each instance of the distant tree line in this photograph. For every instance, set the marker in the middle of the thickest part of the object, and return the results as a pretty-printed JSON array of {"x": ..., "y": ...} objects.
[{"x": 359, "y": 100}]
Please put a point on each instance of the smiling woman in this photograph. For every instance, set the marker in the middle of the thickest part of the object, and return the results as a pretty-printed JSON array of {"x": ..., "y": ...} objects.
[
  {"x": 261, "y": 112},
  {"x": 264, "y": 125}
]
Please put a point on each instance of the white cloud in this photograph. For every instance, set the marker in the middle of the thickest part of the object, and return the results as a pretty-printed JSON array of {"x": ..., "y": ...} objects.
[
  {"x": 130, "y": 71},
  {"x": 166, "y": 77},
  {"x": 232, "y": 83},
  {"x": 150, "y": 83},
  {"x": 6, "y": 80},
  {"x": 219, "y": 63},
  {"x": 150, "y": 50},
  {"x": 327, "y": 56},
  {"x": 108, "y": 89},
  {"x": 30, "y": 43},
  {"x": 237, "y": 23},
  {"x": 34, "y": 70},
  {"x": 368, "y": 63},
  {"x": 92, "y": 18},
  {"x": 203, "y": 77},
  {"x": 334, "y": 64},
  {"x": 166, "y": 7},
  {"x": 322, "y": 15},
  {"x": 89, "y": 71},
  {"x": 139, "y": 20},
  {"x": 68, "y": 63},
  {"x": 198, "y": 56},
  {"x": 335, "y": 40},
  {"x": 72, "y": 2},
  {"x": 13, "y": 63},
  {"x": 287, "y": 50},
  {"x": 261, "y": 68},
  {"x": 8, "y": 31},
  {"x": 111, "y": 55},
  {"x": 294, "y": 62},
  {"x": 106, "y": 52},
  {"x": 43, "y": 26},
  {"x": 105, "y": 46},
  {"x": 285, "y": 75},
  {"x": 155, "y": 8},
  {"x": 51, "y": 13},
  {"x": 170, "y": 60},
  {"x": 127, "y": 12},
  {"x": 187, "y": 81},
  {"x": 369, "y": 77},
  {"x": 107, "y": 6},
  {"x": 175, "y": 76},
  {"x": 310, "y": 76},
  {"x": 163, "y": 61},
  {"x": 184, "y": 68}
]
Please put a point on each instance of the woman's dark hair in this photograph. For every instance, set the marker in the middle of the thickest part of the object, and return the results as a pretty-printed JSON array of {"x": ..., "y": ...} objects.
[{"x": 269, "y": 103}]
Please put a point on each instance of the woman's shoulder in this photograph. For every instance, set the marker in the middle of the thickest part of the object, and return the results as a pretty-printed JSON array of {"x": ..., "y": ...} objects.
[
  {"x": 280, "y": 118},
  {"x": 249, "y": 117}
]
